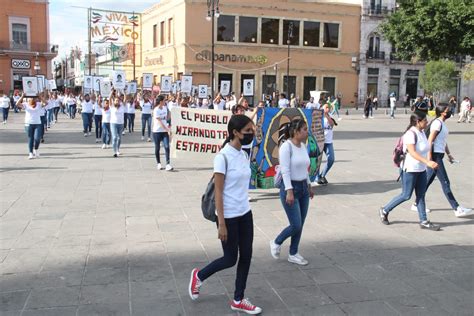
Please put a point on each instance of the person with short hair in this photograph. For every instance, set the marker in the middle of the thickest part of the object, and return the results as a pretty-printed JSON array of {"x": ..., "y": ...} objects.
[
  {"x": 33, "y": 125},
  {"x": 328, "y": 149},
  {"x": 86, "y": 114},
  {"x": 283, "y": 101},
  {"x": 465, "y": 110},
  {"x": 161, "y": 131}
]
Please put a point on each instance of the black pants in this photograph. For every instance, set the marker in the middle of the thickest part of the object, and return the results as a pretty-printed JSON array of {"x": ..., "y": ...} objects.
[
  {"x": 131, "y": 122},
  {"x": 238, "y": 245}
]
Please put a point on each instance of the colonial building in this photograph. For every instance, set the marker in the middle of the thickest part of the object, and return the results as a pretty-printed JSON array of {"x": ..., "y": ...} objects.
[{"x": 25, "y": 47}]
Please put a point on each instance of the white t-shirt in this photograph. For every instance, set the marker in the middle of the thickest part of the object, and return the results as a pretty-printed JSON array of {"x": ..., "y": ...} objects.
[
  {"x": 311, "y": 105},
  {"x": 422, "y": 148},
  {"x": 50, "y": 105},
  {"x": 130, "y": 107},
  {"x": 205, "y": 104},
  {"x": 328, "y": 131},
  {"x": 465, "y": 105},
  {"x": 439, "y": 144},
  {"x": 5, "y": 102},
  {"x": 105, "y": 115},
  {"x": 146, "y": 107},
  {"x": 294, "y": 163},
  {"x": 172, "y": 104},
  {"x": 393, "y": 101},
  {"x": 97, "y": 109},
  {"x": 71, "y": 100},
  {"x": 87, "y": 107},
  {"x": 116, "y": 114},
  {"x": 236, "y": 183},
  {"x": 220, "y": 105},
  {"x": 33, "y": 115},
  {"x": 283, "y": 103},
  {"x": 162, "y": 115}
]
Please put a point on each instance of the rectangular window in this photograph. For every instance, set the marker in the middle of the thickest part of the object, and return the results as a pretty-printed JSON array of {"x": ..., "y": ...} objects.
[
  {"x": 170, "y": 30},
  {"x": 331, "y": 35},
  {"x": 268, "y": 84},
  {"x": 226, "y": 28},
  {"x": 270, "y": 31},
  {"x": 373, "y": 71},
  {"x": 19, "y": 34},
  {"x": 309, "y": 84},
  {"x": 291, "y": 31},
  {"x": 162, "y": 33},
  {"x": 394, "y": 86},
  {"x": 372, "y": 86},
  {"x": 311, "y": 34},
  {"x": 155, "y": 35},
  {"x": 248, "y": 29},
  {"x": 292, "y": 86},
  {"x": 395, "y": 72},
  {"x": 329, "y": 84}
]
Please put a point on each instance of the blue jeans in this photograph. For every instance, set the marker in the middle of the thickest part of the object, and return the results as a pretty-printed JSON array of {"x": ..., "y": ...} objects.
[
  {"x": 238, "y": 245},
  {"x": 86, "y": 121},
  {"x": 72, "y": 111},
  {"x": 411, "y": 181},
  {"x": 157, "y": 138},
  {"x": 5, "y": 113},
  {"x": 146, "y": 120},
  {"x": 43, "y": 125},
  {"x": 336, "y": 110},
  {"x": 34, "y": 136},
  {"x": 296, "y": 214},
  {"x": 443, "y": 179},
  {"x": 329, "y": 151},
  {"x": 131, "y": 122},
  {"x": 50, "y": 116},
  {"x": 106, "y": 133},
  {"x": 98, "y": 126},
  {"x": 116, "y": 130}
]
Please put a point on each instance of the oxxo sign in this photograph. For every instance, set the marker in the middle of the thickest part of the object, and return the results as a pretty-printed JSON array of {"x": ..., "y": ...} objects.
[{"x": 21, "y": 64}]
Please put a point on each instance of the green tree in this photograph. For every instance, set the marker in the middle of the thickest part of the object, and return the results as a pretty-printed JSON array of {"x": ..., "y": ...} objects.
[
  {"x": 439, "y": 77},
  {"x": 431, "y": 29}
]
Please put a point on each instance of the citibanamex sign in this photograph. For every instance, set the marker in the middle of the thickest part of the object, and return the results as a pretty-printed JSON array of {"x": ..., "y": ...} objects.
[
  {"x": 206, "y": 55},
  {"x": 21, "y": 64}
]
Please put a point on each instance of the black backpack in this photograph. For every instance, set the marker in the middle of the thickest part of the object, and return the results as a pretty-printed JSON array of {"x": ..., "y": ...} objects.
[{"x": 208, "y": 200}]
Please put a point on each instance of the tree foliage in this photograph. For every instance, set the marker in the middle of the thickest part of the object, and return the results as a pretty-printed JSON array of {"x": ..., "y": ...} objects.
[
  {"x": 439, "y": 76},
  {"x": 431, "y": 29},
  {"x": 468, "y": 72}
]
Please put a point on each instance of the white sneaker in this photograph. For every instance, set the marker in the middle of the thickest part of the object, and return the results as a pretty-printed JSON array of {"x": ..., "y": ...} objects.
[
  {"x": 371, "y": 117},
  {"x": 298, "y": 259},
  {"x": 96, "y": 140},
  {"x": 168, "y": 167},
  {"x": 36, "y": 153},
  {"x": 149, "y": 139},
  {"x": 123, "y": 133},
  {"x": 85, "y": 134},
  {"x": 275, "y": 249},
  {"x": 462, "y": 211},
  {"x": 159, "y": 167},
  {"x": 31, "y": 156},
  {"x": 88, "y": 133},
  {"x": 104, "y": 146},
  {"x": 414, "y": 208},
  {"x": 339, "y": 119},
  {"x": 118, "y": 153},
  {"x": 143, "y": 138}
]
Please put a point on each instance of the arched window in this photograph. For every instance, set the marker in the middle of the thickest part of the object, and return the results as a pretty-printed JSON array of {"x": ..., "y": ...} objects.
[{"x": 374, "y": 46}]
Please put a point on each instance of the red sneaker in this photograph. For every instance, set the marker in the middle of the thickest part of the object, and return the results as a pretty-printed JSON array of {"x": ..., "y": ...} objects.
[
  {"x": 246, "y": 307},
  {"x": 194, "y": 285}
]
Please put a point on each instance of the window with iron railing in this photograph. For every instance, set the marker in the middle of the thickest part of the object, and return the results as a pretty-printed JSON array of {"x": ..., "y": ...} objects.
[{"x": 19, "y": 35}]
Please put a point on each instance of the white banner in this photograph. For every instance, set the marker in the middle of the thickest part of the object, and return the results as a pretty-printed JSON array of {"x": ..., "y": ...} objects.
[{"x": 198, "y": 130}]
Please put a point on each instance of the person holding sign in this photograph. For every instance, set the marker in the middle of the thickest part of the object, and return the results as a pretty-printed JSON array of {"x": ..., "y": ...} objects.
[
  {"x": 97, "y": 107},
  {"x": 116, "y": 121},
  {"x": 106, "y": 131},
  {"x": 146, "y": 106},
  {"x": 131, "y": 104},
  {"x": 33, "y": 125},
  {"x": 161, "y": 131},
  {"x": 86, "y": 113}
]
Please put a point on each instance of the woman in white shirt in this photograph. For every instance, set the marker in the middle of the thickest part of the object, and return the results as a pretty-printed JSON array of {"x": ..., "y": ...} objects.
[
  {"x": 106, "y": 131},
  {"x": 86, "y": 113},
  {"x": 413, "y": 175},
  {"x": 161, "y": 130},
  {"x": 130, "y": 115},
  {"x": 5, "y": 104},
  {"x": 438, "y": 140},
  {"x": 34, "y": 107},
  {"x": 146, "y": 106},
  {"x": 97, "y": 108},
  {"x": 116, "y": 123},
  {"x": 295, "y": 190},
  {"x": 234, "y": 216},
  {"x": 328, "y": 125}
]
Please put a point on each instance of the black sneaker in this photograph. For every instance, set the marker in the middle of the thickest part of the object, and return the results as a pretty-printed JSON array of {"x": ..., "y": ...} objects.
[
  {"x": 115, "y": 155},
  {"x": 429, "y": 225},
  {"x": 383, "y": 216},
  {"x": 321, "y": 182},
  {"x": 325, "y": 181}
]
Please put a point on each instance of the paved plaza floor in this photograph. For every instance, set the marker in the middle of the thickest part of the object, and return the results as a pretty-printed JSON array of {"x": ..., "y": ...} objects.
[{"x": 82, "y": 233}]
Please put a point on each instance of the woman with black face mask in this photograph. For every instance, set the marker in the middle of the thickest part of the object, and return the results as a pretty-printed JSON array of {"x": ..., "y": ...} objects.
[
  {"x": 235, "y": 221},
  {"x": 439, "y": 146}
]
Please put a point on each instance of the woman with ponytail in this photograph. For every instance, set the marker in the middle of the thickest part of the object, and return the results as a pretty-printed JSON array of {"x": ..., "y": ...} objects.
[
  {"x": 416, "y": 147},
  {"x": 235, "y": 221}
]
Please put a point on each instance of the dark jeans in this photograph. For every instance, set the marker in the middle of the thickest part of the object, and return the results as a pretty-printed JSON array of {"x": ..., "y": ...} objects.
[
  {"x": 411, "y": 181},
  {"x": 106, "y": 133},
  {"x": 98, "y": 126},
  {"x": 238, "y": 245},
  {"x": 157, "y": 139},
  {"x": 329, "y": 151},
  {"x": 125, "y": 121},
  {"x": 56, "y": 111},
  {"x": 146, "y": 120},
  {"x": 34, "y": 136},
  {"x": 296, "y": 214},
  {"x": 86, "y": 122},
  {"x": 131, "y": 122},
  {"x": 72, "y": 111},
  {"x": 5, "y": 113},
  {"x": 443, "y": 179},
  {"x": 43, "y": 125}
]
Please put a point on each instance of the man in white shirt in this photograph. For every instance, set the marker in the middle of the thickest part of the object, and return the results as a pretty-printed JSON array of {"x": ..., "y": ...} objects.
[
  {"x": 393, "y": 101},
  {"x": 465, "y": 113},
  {"x": 5, "y": 105},
  {"x": 311, "y": 105},
  {"x": 283, "y": 101}
]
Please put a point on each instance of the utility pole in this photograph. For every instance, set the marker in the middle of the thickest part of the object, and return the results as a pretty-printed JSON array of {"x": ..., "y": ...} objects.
[
  {"x": 288, "y": 41},
  {"x": 89, "y": 38},
  {"x": 212, "y": 13}
]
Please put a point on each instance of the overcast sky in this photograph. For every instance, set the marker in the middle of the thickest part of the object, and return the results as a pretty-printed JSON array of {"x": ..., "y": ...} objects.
[{"x": 68, "y": 23}]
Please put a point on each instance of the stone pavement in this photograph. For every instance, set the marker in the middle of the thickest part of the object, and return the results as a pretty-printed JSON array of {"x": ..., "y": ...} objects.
[{"x": 82, "y": 233}]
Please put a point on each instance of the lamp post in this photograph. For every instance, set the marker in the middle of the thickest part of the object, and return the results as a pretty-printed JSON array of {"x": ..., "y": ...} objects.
[
  {"x": 212, "y": 12},
  {"x": 288, "y": 41},
  {"x": 37, "y": 64}
]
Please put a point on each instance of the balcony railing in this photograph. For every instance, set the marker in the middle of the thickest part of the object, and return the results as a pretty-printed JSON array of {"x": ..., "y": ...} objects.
[
  {"x": 28, "y": 47},
  {"x": 375, "y": 55},
  {"x": 377, "y": 10}
]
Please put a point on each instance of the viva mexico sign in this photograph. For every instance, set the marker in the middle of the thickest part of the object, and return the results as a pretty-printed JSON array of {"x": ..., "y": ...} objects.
[
  {"x": 207, "y": 55},
  {"x": 114, "y": 26}
]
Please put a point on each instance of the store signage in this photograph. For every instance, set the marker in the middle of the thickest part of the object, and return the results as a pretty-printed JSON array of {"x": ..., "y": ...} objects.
[
  {"x": 154, "y": 61},
  {"x": 21, "y": 64},
  {"x": 206, "y": 55}
]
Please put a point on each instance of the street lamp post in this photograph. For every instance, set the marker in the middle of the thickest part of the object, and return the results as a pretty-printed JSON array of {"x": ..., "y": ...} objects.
[{"x": 212, "y": 12}]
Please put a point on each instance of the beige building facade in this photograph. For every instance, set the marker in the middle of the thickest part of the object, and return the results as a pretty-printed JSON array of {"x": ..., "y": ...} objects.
[{"x": 251, "y": 43}]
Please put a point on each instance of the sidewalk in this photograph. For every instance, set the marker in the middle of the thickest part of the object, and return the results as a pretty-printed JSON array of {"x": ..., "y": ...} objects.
[{"x": 82, "y": 233}]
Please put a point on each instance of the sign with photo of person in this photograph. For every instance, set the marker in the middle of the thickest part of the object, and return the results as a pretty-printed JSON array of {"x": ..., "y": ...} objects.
[
  {"x": 132, "y": 87},
  {"x": 147, "y": 81},
  {"x": 165, "y": 83},
  {"x": 248, "y": 87},
  {"x": 202, "y": 91},
  {"x": 194, "y": 91},
  {"x": 186, "y": 84},
  {"x": 105, "y": 88},
  {"x": 41, "y": 83},
  {"x": 52, "y": 85},
  {"x": 118, "y": 79},
  {"x": 30, "y": 86},
  {"x": 225, "y": 87},
  {"x": 88, "y": 83},
  {"x": 96, "y": 85},
  {"x": 174, "y": 88}
]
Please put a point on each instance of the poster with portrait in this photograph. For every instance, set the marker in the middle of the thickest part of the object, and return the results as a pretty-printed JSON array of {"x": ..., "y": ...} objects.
[
  {"x": 96, "y": 85},
  {"x": 147, "y": 81},
  {"x": 178, "y": 86},
  {"x": 131, "y": 87},
  {"x": 186, "y": 84},
  {"x": 41, "y": 83},
  {"x": 202, "y": 91},
  {"x": 87, "y": 91},
  {"x": 105, "y": 88},
  {"x": 194, "y": 91},
  {"x": 225, "y": 87},
  {"x": 88, "y": 83},
  {"x": 165, "y": 83},
  {"x": 30, "y": 86},
  {"x": 174, "y": 88},
  {"x": 52, "y": 85},
  {"x": 118, "y": 79},
  {"x": 248, "y": 87}
]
